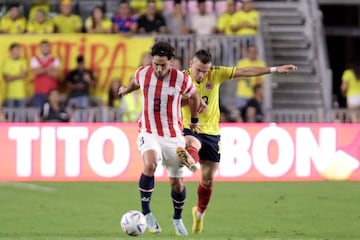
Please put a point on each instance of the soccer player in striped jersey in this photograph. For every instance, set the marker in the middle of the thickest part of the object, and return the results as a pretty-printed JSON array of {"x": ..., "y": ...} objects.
[
  {"x": 161, "y": 128},
  {"x": 204, "y": 144}
]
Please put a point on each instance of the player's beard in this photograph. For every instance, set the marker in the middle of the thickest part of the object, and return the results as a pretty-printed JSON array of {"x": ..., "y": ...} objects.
[{"x": 161, "y": 76}]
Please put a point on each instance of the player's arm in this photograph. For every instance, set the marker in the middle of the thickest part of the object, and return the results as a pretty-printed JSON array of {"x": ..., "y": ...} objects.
[
  {"x": 257, "y": 71},
  {"x": 131, "y": 87},
  {"x": 9, "y": 78},
  {"x": 194, "y": 104}
]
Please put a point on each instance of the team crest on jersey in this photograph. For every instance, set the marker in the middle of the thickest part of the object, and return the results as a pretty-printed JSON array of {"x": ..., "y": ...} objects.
[{"x": 208, "y": 86}]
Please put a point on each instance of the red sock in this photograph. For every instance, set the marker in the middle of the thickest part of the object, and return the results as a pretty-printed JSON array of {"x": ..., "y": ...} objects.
[
  {"x": 204, "y": 195},
  {"x": 193, "y": 152}
]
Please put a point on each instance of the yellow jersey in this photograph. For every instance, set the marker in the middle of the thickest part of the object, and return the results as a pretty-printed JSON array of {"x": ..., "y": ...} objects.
[
  {"x": 67, "y": 24},
  {"x": 353, "y": 83},
  {"x": 7, "y": 25},
  {"x": 45, "y": 27},
  {"x": 139, "y": 6},
  {"x": 208, "y": 90},
  {"x": 15, "y": 89},
  {"x": 106, "y": 23},
  {"x": 246, "y": 84},
  {"x": 251, "y": 17},
  {"x": 224, "y": 23}
]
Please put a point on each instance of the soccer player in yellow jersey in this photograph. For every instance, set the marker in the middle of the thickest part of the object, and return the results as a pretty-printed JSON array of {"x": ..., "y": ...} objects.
[
  {"x": 246, "y": 85},
  {"x": 13, "y": 22},
  {"x": 66, "y": 21},
  {"x": 204, "y": 145}
]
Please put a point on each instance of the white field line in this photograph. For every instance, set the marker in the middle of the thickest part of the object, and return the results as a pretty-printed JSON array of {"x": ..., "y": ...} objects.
[{"x": 27, "y": 186}]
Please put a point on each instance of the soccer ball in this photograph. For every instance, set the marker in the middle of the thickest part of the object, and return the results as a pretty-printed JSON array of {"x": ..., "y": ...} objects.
[{"x": 133, "y": 223}]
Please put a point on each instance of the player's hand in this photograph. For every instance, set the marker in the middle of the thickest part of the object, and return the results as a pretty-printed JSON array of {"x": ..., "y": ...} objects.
[
  {"x": 195, "y": 127},
  {"x": 286, "y": 68},
  {"x": 202, "y": 106},
  {"x": 122, "y": 91}
]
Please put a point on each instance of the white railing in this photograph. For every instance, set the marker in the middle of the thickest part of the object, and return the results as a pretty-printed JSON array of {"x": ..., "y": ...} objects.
[{"x": 106, "y": 114}]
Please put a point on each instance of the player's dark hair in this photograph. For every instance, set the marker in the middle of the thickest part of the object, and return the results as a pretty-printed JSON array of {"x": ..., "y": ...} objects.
[
  {"x": 44, "y": 42},
  {"x": 14, "y": 45},
  {"x": 204, "y": 56},
  {"x": 163, "y": 49}
]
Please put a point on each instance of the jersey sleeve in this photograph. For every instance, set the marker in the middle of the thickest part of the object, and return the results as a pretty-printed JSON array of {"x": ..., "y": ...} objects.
[
  {"x": 137, "y": 75},
  {"x": 223, "y": 73},
  {"x": 188, "y": 87}
]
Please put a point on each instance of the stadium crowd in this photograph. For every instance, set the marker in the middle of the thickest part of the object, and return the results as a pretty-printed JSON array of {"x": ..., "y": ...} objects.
[{"x": 199, "y": 17}]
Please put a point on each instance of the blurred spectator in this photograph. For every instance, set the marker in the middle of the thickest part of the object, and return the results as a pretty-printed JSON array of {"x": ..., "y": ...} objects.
[
  {"x": 123, "y": 22},
  {"x": 176, "y": 21},
  {"x": 113, "y": 97},
  {"x": 14, "y": 71},
  {"x": 52, "y": 110},
  {"x": 97, "y": 22},
  {"x": 41, "y": 23},
  {"x": 139, "y": 6},
  {"x": 145, "y": 59},
  {"x": 177, "y": 63},
  {"x": 2, "y": 116},
  {"x": 79, "y": 82},
  {"x": 253, "y": 111},
  {"x": 203, "y": 23},
  {"x": 45, "y": 68},
  {"x": 131, "y": 105},
  {"x": 350, "y": 88},
  {"x": 245, "y": 85},
  {"x": 224, "y": 20},
  {"x": 151, "y": 21},
  {"x": 66, "y": 21},
  {"x": 13, "y": 21},
  {"x": 43, "y": 5},
  {"x": 246, "y": 20}
]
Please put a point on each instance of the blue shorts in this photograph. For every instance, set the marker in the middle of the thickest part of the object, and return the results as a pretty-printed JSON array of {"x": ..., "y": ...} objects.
[{"x": 210, "y": 145}]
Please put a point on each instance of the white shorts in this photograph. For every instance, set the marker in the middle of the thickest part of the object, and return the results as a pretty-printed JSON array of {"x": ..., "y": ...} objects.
[
  {"x": 166, "y": 149},
  {"x": 354, "y": 100}
]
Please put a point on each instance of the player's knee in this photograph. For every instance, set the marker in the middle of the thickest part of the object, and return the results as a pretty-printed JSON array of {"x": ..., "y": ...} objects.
[
  {"x": 150, "y": 167},
  {"x": 177, "y": 186},
  {"x": 193, "y": 142},
  {"x": 208, "y": 182}
]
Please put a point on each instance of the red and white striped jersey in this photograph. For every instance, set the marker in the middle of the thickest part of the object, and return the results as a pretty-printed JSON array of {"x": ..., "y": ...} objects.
[{"x": 161, "y": 107}]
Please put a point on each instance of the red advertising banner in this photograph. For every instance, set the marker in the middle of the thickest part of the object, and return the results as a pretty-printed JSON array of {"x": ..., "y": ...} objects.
[{"x": 108, "y": 152}]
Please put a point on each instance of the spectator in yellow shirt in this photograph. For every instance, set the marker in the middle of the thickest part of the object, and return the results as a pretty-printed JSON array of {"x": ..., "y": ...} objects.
[
  {"x": 139, "y": 6},
  {"x": 97, "y": 22},
  {"x": 14, "y": 71},
  {"x": 224, "y": 20},
  {"x": 350, "y": 88},
  {"x": 13, "y": 22},
  {"x": 41, "y": 23},
  {"x": 66, "y": 21},
  {"x": 246, "y": 85},
  {"x": 245, "y": 21}
]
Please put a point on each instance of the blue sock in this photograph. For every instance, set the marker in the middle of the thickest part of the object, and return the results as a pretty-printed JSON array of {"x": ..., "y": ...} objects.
[
  {"x": 178, "y": 199},
  {"x": 146, "y": 187}
]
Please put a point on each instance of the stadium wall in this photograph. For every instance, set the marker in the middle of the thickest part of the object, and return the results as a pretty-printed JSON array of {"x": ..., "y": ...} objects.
[{"x": 108, "y": 152}]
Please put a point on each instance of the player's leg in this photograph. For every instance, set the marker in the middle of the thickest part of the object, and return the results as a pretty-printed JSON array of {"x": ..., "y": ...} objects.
[
  {"x": 178, "y": 196},
  {"x": 150, "y": 154},
  {"x": 204, "y": 191},
  {"x": 178, "y": 190},
  {"x": 209, "y": 161},
  {"x": 189, "y": 155}
]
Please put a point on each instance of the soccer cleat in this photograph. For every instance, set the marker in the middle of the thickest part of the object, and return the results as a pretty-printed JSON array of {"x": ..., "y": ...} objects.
[
  {"x": 186, "y": 159},
  {"x": 198, "y": 223},
  {"x": 180, "y": 228},
  {"x": 152, "y": 224}
]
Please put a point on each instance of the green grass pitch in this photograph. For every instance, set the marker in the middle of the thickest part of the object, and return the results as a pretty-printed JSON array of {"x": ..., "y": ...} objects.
[{"x": 238, "y": 211}]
